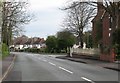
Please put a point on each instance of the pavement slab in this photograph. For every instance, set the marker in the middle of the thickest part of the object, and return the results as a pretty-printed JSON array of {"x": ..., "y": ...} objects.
[{"x": 5, "y": 65}]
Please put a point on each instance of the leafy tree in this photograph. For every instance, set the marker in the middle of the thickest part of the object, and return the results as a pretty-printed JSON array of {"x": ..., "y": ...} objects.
[
  {"x": 88, "y": 39},
  {"x": 51, "y": 43},
  {"x": 116, "y": 35},
  {"x": 116, "y": 41},
  {"x": 65, "y": 39}
]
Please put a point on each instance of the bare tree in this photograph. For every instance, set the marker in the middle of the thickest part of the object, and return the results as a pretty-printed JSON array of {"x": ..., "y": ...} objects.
[
  {"x": 78, "y": 18},
  {"x": 14, "y": 15}
]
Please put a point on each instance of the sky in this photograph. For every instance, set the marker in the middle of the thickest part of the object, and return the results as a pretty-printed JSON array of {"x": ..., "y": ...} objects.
[{"x": 48, "y": 17}]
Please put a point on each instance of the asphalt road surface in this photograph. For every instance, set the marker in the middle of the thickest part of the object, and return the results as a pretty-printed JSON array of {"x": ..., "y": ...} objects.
[{"x": 38, "y": 67}]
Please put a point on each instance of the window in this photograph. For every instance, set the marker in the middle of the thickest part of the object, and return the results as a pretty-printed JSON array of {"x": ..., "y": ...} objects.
[{"x": 109, "y": 34}]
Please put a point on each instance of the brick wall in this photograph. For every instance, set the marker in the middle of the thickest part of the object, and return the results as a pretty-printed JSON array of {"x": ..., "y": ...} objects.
[{"x": 106, "y": 31}]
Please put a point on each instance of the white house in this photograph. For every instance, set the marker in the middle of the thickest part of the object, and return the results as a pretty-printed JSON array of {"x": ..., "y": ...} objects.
[{"x": 25, "y": 42}]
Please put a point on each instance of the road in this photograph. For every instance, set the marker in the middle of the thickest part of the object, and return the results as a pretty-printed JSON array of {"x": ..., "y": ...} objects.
[{"x": 38, "y": 67}]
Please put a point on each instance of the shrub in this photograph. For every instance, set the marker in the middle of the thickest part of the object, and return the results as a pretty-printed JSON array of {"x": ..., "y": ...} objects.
[
  {"x": 5, "y": 50},
  {"x": 33, "y": 50},
  {"x": 117, "y": 51}
]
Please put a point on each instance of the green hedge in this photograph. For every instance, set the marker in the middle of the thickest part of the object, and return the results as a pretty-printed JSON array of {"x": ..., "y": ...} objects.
[
  {"x": 118, "y": 53},
  {"x": 33, "y": 50},
  {"x": 5, "y": 50},
  {"x": 118, "y": 57}
]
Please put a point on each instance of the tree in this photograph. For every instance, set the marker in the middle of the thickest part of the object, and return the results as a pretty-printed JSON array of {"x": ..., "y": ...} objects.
[
  {"x": 88, "y": 39},
  {"x": 116, "y": 41},
  {"x": 14, "y": 15},
  {"x": 78, "y": 19},
  {"x": 51, "y": 43},
  {"x": 65, "y": 39}
]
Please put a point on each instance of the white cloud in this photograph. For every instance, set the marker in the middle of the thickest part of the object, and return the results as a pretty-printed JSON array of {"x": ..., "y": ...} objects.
[
  {"x": 49, "y": 17},
  {"x": 45, "y": 4}
]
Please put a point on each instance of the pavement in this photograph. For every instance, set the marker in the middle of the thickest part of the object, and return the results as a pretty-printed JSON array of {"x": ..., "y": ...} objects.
[
  {"x": 109, "y": 65},
  {"x": 6, "y": 65}
]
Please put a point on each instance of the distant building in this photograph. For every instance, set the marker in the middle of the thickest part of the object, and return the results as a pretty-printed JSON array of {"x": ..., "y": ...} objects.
[
  {"x": 28, "y": 44},
  {"x": 18, "y": 43},
  {"x": 96, "y": 25},
  {"x": 39, "y": 43},
  {"x": 24, "y": 42}
]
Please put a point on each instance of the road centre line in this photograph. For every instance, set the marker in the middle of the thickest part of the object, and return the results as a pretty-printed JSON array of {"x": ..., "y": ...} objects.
[
  {"x": 39, "y": 58},
  {"x": 52, "y": 63},
  {"x": 44, "y": 60},
  {"x": 87, "y": 79},
  {"x": 66, "y": 70}
]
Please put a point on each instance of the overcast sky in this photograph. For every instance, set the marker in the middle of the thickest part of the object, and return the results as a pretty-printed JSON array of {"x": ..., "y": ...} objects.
[{"x": 48, "y": 17}]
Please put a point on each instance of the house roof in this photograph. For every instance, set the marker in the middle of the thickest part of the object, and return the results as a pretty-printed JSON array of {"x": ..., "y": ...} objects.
[
  {"x": 39, "y": 41},
  {"x": 29, "y": 41},
  {"x": 25, "y": 40},
  {"x": 20, "y": 40}
]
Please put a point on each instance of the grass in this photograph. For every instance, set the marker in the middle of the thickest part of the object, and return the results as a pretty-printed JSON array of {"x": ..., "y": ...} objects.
[
  {"x": 5, "y": 51},
  {"x": 0, "y": 51}
]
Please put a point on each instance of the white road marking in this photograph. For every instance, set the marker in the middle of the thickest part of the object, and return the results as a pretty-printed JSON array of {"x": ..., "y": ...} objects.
[
  {"x": 49, "y": 55},
  {"x": 87, "y": 79},
  {"x": 45, "y": 60},
  {"x": 52, "y": 64},
  {"x": 8, "y": 70},
  {"x": 66, "y": 70}
]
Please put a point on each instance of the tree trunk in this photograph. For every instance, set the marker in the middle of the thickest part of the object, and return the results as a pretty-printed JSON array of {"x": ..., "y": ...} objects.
[{"x": 80, "y": 38}]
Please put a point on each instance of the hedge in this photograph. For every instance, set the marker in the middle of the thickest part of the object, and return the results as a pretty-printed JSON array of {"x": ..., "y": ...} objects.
[{"x": 5, "y": 50}]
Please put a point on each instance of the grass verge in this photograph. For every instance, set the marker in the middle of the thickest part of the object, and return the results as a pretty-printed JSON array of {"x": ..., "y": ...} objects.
[{"x": 5, "y": 51}]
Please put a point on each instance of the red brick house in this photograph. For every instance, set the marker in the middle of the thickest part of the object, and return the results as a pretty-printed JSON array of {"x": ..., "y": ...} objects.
[
  {"x": 102, "y": 29},
  {"x": 95, "y": 21}
]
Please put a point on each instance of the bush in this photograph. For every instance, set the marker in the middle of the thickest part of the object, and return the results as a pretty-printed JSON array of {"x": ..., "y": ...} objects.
[
  {"x": 22, "y": 50},
  {"x": 42, "y": 50},
  {"x": 33, "y": 50},
  {"x": 117, "y": 51},
  {"x": 118, "y": 57},
  {"x": 5, "y": 50}
]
